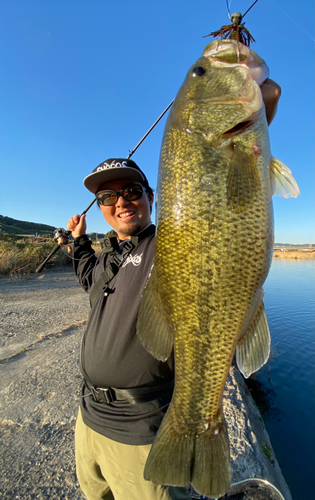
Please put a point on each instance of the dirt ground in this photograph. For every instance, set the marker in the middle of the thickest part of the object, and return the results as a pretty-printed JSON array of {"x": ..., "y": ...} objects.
[{"x": 42, "y": 323}]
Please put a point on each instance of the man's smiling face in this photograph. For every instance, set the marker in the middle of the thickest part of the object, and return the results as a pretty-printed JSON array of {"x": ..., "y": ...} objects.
[{"x": 127, "y": 217}]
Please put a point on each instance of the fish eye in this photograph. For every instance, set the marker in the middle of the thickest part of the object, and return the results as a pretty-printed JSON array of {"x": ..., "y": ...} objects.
[{"x": 198, "y": 71}]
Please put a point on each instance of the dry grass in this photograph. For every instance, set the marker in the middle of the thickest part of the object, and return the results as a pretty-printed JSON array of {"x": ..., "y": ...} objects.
[{"x": 20, "y": 256}]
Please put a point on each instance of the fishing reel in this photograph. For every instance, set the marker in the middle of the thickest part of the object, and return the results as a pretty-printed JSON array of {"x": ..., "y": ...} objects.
[{"x": 61, "y": 236}]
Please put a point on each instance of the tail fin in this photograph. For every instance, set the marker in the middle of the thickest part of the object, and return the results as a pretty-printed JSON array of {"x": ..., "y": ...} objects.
[
  {"x": 211, "y": 475},
  {"x": 177, "y": 459},
  {"x": 170, "y": 459}
]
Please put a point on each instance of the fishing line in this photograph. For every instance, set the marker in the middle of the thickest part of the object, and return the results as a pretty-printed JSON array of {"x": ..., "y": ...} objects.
[
  {"x": 151, "y": 128},
  {"x": 67, "y": 253},
  {"x": 228, "y": 7},
  {"x": 250, "y": 8},
  {"x": 283, "y": 11}
]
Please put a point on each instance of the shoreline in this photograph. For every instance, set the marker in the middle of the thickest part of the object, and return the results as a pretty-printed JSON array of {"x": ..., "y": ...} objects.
[{"x": 285, "y": 254}]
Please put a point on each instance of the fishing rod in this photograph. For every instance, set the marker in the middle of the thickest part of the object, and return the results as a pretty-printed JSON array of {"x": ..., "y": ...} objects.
[
  {"x": 61, "y": 236},
  {"x": 236, "y": 31}
]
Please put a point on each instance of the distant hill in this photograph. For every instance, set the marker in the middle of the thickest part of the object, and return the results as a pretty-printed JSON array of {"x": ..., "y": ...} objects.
[
  {"x": 21, "y": 227},
  {"x": 13, "y": 226}
]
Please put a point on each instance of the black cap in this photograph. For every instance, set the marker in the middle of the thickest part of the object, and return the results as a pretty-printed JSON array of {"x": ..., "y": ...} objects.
[{"x": 112, "y": 169}]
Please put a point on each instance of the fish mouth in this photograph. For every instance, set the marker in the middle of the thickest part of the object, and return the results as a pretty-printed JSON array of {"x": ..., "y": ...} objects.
[
  {"x": 251, "y": 120},
  {"x": 238, "y": 128}
]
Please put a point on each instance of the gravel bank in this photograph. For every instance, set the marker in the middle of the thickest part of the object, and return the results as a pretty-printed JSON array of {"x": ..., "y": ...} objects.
[
  {"x": 41, "y": 326},
  {"x": 42, "y": 323}
]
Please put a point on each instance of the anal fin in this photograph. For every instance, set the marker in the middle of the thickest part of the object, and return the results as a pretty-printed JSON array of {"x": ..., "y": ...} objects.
[
  {"x": 253, "y": 349},
  {"x": 153, "y": 328}
]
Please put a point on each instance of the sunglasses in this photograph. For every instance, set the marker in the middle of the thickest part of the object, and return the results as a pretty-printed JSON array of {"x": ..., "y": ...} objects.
[{"x": 131, "y": 192}]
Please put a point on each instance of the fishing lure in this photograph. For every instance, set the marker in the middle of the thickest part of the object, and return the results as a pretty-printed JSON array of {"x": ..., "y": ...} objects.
[{"x": 236, "y": 30}]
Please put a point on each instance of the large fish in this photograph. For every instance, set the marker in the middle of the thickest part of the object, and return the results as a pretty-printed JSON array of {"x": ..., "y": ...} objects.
[{"x": 214, "y": 250}]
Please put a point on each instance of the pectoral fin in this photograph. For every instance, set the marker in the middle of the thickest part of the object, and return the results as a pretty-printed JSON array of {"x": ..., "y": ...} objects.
[
  {"x": 153, "y": 328},
  {"x": 282, "y": 181},
  {"x": 243, "y": 180},
  {"x": 253, "y": 349}
]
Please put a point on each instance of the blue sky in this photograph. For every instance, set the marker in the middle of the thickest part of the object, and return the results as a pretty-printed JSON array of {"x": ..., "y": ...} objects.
[{"x": 82, "y": 81}]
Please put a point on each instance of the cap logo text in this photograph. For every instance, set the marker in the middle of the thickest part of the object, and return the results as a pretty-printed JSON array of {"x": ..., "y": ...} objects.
[{"x": 114, "y": 164}]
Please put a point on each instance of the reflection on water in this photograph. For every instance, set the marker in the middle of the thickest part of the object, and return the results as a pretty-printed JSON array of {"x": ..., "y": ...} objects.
[{"x": 287, "y": 380}]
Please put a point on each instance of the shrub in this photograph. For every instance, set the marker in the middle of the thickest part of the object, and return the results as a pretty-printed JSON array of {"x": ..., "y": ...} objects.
[{"x": 23, "y": 256}]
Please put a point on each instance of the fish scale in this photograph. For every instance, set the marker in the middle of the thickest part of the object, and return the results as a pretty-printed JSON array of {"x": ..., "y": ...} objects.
[{"x": 213, "y": 252}]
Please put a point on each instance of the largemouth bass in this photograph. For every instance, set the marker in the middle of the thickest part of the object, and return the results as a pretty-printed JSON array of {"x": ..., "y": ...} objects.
[{"x": 214, "y": 249}]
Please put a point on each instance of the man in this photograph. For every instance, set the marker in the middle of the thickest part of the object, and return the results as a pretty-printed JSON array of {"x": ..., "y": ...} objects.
[
  {"x": 125, "y": 391},
  {"x": 115, "y": 431}
]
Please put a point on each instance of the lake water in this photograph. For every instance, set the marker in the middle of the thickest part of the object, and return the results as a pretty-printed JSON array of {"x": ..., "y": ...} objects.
[{"x": 288, "y": 379}]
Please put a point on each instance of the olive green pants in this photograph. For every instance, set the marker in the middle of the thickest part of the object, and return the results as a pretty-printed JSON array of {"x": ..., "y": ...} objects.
[{"x": 114, "y": 471}]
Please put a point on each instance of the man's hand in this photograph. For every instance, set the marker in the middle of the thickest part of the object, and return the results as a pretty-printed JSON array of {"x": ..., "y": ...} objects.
[
  {"x": 271, "y": 93},
  {"x": 77, "y": 225}
]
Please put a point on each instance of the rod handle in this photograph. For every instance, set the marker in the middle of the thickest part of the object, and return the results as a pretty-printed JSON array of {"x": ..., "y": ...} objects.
[{"x": 41, "y": 267}]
